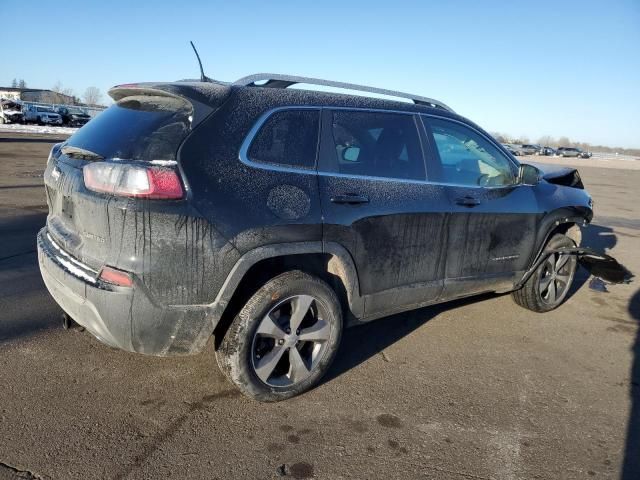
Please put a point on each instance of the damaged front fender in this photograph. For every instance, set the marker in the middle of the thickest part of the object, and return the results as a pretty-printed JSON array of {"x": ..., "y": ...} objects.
[{"x": 597, "y": 264}]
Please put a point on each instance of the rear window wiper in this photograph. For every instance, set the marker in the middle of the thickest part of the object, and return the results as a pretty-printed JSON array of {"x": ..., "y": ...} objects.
[{"x": 77, "y": 152}]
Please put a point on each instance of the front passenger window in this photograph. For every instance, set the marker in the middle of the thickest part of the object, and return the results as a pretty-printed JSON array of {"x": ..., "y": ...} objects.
[{"x": 467, "y": 158}]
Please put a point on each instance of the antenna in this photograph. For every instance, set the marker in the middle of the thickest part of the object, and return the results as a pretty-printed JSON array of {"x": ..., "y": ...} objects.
[{"x": 203, "y": 77}]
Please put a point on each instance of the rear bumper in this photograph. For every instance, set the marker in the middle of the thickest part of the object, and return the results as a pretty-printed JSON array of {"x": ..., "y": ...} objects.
[{"x": 125, "y": 318}]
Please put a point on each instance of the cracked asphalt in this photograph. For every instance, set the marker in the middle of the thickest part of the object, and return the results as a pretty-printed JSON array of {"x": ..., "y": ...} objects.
[{"x": 478, "y": 389}]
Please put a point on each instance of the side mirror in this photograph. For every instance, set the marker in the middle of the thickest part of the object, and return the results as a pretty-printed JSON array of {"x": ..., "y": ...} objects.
[
  {"x": 528, "y": 175},
  {"x": 351, "y": 154}
]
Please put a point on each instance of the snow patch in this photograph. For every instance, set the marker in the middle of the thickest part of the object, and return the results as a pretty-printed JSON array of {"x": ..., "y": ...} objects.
[{"x": 19, "y": 128}]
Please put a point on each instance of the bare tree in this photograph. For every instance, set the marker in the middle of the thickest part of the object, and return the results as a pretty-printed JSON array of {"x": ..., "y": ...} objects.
[
  {"x": 502, "y": 137},
  {"x": 546, "y": 141},
  {"x": 498, "y": 136},
  {"x": 564, "y": 142},
  {"x": 14, "y": 83},
  {"x": 92, "y": 96},
  {"x": 62, "y": 95},
  {"x": 22, "y": 83}
]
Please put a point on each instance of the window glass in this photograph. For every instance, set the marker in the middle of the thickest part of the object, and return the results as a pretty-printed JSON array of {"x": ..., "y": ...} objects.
[
  {"x": 287, "y": 138},
  {"x": 467, "y": 158},
  {"x": 376, "y": 144},
  {"x": 137, "y": 128}
]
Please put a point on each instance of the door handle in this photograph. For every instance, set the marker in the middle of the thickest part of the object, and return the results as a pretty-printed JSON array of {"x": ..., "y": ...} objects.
[
  {"x": 468, "y": 201},
  {"x": 350, "y": 198}
]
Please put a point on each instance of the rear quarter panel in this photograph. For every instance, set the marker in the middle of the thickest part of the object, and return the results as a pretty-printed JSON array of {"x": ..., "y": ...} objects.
[{"x": 250, "y": 206}]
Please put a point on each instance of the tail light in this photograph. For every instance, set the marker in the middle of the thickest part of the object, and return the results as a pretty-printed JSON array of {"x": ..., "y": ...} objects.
[
  {"x": 116, "y": 277},
  {"x": 133, "y": 180}
]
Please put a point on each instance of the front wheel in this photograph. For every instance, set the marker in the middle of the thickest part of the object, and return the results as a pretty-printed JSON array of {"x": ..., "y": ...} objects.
[
  {"x": 549, "y": 285},
  {"x": 284, "y": 339}
]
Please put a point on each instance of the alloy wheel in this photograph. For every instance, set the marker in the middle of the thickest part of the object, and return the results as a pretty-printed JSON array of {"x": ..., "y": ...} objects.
[
  {"x": 290, "y": 341},
  {"x": 556, "y": 278}
]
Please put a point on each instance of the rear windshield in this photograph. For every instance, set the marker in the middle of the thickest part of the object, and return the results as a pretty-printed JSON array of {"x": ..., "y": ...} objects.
[{"x": 137, "y": 128}]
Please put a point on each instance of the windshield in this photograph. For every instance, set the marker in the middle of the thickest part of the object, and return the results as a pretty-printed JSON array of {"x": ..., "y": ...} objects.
[
  {"x": 44, "y": 109},
  {"x": 137, "y": 128}
]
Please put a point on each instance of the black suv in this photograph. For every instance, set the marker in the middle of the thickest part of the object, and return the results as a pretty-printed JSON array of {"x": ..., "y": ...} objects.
[
  {"x": 273, "y": 217},
  {"x": 73, "y": 116}
]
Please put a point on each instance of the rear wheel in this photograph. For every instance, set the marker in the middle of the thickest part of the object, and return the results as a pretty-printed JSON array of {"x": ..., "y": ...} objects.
[
  {"x": 284, "y": 339},
  {"x": 549, "y": 285}
]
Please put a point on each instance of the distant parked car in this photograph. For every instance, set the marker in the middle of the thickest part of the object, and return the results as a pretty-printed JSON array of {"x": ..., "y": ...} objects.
[
  {"x": 41, "y": 115},
  {"x": 570, "y": 152},
  {"x": 513, "y": 149},
  {"x": 73, "y": 116},
  {"x": 11, "y": 112},
  {"x": 548, "y": 151},
  {"x": 528, "y": 149}
]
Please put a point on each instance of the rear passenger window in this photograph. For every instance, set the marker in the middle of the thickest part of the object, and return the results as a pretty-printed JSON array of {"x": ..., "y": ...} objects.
[
  {"x": 287, "y": 138},
  {"x": 377, "y": 145}
]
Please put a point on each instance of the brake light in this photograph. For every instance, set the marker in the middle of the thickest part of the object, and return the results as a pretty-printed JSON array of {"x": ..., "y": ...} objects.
[
  {"x": 115, "y": 276},
  {"x": 132, "y": 180}
]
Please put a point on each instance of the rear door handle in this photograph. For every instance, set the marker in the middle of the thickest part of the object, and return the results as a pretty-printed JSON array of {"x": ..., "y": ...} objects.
[
  {"x": 468, "y": 201},
  {"x": 350, "y": 198}
]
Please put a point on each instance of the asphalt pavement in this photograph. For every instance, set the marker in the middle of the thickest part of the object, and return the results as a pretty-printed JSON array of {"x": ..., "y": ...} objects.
[{"x": 473, "y": 389}]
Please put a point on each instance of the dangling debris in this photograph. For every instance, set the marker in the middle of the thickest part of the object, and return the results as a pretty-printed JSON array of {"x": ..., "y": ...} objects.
[{"x": 598, "y": 285}]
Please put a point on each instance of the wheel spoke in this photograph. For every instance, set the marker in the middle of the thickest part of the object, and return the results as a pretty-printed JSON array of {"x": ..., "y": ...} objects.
[
  {"x": 551, "y": 292},
  {"x": 299, "y": 370},
  {"x": 550, "y": 263},
  {"x": 300, "y": 308},
  {"x": 318, "y": 332},
  {"x": 268, "y": 328},
  {"x": 544, "y": 283},
  {"x": 562, "y": 261},
  {"x": 265, "y": 366},
  {"x": 563, "y": 279}
]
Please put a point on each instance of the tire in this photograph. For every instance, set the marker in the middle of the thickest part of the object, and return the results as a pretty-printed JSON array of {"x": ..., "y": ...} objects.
[
  {"x": 533, "y": 295},
  {"x": 261, "y": 355}
]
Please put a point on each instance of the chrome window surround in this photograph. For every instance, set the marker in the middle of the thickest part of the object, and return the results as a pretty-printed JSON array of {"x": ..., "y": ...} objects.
[{"x": 246, "y": 144}]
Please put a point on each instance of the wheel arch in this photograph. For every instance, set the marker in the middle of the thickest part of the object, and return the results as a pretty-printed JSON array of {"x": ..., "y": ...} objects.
[
  {"x": 563, "y": 221},
  {"x": 331, "y": 262}
]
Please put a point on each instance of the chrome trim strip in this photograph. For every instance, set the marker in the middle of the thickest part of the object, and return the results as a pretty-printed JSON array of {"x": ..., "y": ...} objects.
[
  {"x": 246, "y": 144},
  {"x": 69, "y": 257}
]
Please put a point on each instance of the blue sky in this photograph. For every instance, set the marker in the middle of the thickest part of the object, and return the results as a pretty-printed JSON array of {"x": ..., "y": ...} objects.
[{"x": 525, "y": 68}]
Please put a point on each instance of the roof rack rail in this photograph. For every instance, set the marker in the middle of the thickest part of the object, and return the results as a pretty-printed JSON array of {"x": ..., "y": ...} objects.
[{"x": 276, "y": 80}]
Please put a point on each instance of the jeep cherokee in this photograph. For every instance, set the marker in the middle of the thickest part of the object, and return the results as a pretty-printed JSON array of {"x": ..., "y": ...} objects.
[{"x": 270, "y": 218}]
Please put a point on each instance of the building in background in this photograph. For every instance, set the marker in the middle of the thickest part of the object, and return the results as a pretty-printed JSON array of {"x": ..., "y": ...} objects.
[{"x": 37, "y": 95}]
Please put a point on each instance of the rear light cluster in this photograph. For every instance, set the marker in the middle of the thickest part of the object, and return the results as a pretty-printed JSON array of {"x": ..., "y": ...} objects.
[
  {"x": 116, "y": 277},
  {"x": 133, "y": 180}
]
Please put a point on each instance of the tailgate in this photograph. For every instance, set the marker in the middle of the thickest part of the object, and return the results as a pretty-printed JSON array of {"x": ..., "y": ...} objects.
[{"x": 137, "y": 129}]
